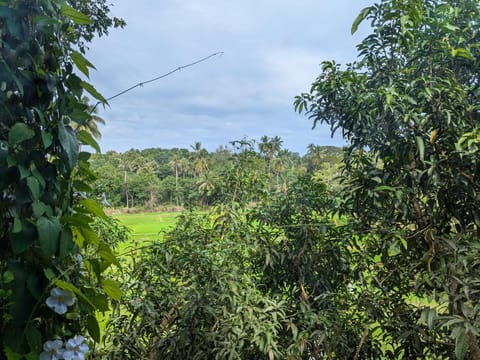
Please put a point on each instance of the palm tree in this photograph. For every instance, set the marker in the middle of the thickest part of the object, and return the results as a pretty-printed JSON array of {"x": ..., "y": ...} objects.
[
  {"x": 91, "y": 124},
  {"x": 270, "y": 147},
  {"x": 176, "y": 163},
  {"x": 205, "y": 187}
]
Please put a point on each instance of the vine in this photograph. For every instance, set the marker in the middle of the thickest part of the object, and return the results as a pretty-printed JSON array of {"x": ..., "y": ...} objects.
[{"x": 49, "y": 293}]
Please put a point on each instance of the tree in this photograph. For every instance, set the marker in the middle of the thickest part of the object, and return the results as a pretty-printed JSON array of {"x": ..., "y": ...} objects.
[
  {"x": 270, "y": 147},
  {"x": 176, "y": 163},
  {"x": 409, "y": 108}
]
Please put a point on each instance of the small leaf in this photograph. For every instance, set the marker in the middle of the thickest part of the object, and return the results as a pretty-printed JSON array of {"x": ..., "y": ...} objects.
[
  {"x": 112, "y": 289},
  {"x": 421, "y": 147},
  {"x": 77, "y": 17},
  {"x": 92, "y": 91},
  {"x": 93, "y": 328},
  {"x": 81, "y": 63},
  {"x": 19, "y": 133},
  {"x": 363, "y": 14}
]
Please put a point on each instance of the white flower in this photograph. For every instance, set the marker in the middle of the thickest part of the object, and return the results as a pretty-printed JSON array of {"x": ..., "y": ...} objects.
[
  {"x": 76, "y": 348},
  {"x": 59, "y": 300},
  {"x": 52, "y": 350}
]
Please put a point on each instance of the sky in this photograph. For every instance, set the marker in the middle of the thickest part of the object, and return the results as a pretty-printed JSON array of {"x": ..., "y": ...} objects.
[{"x": 271, "y": 52}]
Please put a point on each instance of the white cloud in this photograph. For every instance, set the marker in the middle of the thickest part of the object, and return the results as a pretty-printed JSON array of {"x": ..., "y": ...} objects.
[{"x": 272, "y": 53}]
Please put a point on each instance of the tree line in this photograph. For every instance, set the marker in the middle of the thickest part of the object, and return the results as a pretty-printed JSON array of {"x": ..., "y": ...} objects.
[{"x": 160, "y": 178}]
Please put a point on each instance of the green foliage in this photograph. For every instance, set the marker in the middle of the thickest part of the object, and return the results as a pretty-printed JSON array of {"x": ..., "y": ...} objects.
[
  {"x": 241, "y": 282},
  {"x": 409, "y": 108},
  {"x": 155, "y": 178},
  {"x": 43, "y": 225}
]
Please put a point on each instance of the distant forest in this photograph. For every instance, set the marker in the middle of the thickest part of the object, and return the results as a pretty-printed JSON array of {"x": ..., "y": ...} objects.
[{"x": 157, "y": 178}]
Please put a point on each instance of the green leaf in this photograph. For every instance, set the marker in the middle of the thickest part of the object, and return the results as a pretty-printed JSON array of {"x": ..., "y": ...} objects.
[
  {"x": 47, "y": 139},
  {"x": 34, "y": 187},
  {"x": 82, "y": 186},
  {"x": 69, "y": 143},
  {"x": 17, "y": 225},
  {"x": 19, "y": 133},
  {"x": 112, "y": 289},
  {"x": 421, "y": 147},
  {"x": 81, "y": 63},
  {"x": 77, "y": 17},
  {"x": 106, "y": 253},
  {"x": 363, "y": 14},
  {"x": 93, "y": 328},
  {"x": 461, "y": 345},
  {"x": 21, "y": 240},
  {"x": 39, "y": 208},
  {"x": 92, "y": 91},
  {"x": 464, "y": 53},
  {"x": 68, "y": 286},
  {"x": 48, "y": 234},
  {"x": 89, "y": 235},
  {"x": 49, "y": 274},
  {"x": 34, "y": 338},
  {"x": 66, "y": 242},
  {"x": 93, "y": 207},
  {"x": 99, "y": 300},
  {"x": 87, "y": 139},
  {"x": 11, "y": 355}
]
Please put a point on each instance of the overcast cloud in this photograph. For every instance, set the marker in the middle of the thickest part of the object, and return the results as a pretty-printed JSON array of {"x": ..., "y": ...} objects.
[{"x": 271, "y": 52}]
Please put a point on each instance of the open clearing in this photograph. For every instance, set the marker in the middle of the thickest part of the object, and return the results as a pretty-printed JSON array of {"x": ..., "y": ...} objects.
[{"x": 147, "y": 227}]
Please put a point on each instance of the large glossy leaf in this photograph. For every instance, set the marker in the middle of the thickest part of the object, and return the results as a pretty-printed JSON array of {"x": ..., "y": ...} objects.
[
  {"x": 69, "y": 143},
  {"x": 48, "y": 229}
]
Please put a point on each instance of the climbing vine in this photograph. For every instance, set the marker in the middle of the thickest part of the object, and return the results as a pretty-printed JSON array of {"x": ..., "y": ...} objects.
[{"x": 50, "y": 286}]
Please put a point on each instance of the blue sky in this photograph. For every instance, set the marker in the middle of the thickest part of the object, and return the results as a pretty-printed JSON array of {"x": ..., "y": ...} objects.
[{"x": 271, "y": 52}]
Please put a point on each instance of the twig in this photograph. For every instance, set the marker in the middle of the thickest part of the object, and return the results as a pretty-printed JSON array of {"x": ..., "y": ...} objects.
[{"x": 360, "y": 344}]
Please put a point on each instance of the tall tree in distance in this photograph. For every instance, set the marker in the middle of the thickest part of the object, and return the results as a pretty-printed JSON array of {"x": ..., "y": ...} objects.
[{"x": 410, "y": 111}]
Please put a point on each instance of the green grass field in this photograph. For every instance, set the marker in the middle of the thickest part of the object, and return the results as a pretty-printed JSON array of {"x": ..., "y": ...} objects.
[{"x": 148, "y": 226}]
